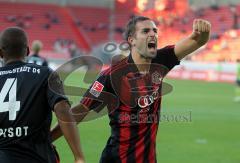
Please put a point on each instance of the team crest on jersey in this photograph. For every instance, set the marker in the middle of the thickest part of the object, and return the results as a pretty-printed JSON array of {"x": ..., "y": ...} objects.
[
  {"x": 156, "y": 78},
  {"x": 96, "y": 89}
]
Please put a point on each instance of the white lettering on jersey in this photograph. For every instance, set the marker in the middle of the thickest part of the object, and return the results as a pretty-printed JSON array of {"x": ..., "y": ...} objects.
[
  {"x": 12, "y": 106},
  {"x": 14, "y": 132}
]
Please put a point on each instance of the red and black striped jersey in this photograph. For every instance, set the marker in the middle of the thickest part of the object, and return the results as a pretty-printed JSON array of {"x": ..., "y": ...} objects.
[{"x": 133, "y": 102}]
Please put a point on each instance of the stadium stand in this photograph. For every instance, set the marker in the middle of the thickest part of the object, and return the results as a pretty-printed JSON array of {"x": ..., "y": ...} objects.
[
  {"x": 225, "y": 31},
  {"x": 88, "y": 26},
  {"x": 93, "y": 22},
  {"x": 42, "y": 21}
]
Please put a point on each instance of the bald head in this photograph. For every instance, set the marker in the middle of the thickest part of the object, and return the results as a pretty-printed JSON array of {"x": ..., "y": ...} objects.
[{"x": 13, "y": 43}]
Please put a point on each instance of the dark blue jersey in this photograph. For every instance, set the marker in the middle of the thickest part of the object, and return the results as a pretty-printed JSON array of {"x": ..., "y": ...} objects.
[{"x": 26, "y": 105}]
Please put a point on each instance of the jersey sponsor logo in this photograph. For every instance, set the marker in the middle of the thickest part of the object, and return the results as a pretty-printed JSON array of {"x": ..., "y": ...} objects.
[
  {"x": 135, "y": 89},
  {"x": 147, "y": 100},
  {"x": 96, "y": 89}
]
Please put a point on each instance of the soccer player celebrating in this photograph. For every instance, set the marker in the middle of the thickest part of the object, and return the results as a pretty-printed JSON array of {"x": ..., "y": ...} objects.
[
  {"x": 26, "y": 105},
  {"x": 136, "y": 82}
]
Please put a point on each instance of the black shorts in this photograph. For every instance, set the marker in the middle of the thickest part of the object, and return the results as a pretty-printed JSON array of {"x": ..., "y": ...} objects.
[{"x": 109, "y": 155}]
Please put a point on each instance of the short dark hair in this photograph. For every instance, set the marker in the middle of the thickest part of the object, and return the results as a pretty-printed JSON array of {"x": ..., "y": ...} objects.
[
  {"x": 131, "y": 26},
  {"x": 14, "y": 42}
]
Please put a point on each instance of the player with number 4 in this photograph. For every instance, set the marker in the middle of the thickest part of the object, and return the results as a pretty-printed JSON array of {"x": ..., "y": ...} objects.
[{"x": 26, "y": 105}]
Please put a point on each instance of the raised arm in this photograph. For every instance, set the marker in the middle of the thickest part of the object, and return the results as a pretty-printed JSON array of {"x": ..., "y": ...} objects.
[{"x": 199, "y": 37}]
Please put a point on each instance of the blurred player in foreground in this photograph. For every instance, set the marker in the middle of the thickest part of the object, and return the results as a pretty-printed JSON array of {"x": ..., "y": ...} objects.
[
  {"x": 26, "y": 105},
  {"x": 136, "y": 82},
  {"x": 35, "y": 57}
]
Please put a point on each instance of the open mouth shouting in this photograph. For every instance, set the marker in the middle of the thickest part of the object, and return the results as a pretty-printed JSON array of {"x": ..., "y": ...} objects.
[{"x": 152, "y": 46}]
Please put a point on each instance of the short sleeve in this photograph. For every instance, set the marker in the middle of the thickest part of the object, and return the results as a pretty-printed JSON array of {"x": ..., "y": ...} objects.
[
  {"x": 55, "y": 90},
  {"x": 166, "y": 56},
  {"x": 99, "y": 88}
]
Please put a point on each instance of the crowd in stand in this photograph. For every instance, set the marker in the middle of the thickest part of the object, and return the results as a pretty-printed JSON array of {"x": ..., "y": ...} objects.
[
  {"x": 222, "y": 43},
  {"x": 25, "y": 21}
]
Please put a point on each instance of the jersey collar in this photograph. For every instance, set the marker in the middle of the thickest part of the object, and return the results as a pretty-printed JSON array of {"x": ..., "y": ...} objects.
[
  {"x": 130, "y": 59},
  {"x": 132, "y": 66}
]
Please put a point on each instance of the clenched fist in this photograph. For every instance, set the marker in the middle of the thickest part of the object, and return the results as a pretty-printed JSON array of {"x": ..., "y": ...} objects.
[{"x": 201, "y": 31}]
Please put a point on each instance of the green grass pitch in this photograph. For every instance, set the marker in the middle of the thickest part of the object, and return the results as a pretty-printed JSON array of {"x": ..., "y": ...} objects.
[{"x": 212, "y": 135}]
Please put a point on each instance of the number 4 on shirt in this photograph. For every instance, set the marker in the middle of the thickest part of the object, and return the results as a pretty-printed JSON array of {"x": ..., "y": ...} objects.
[{"x": 12, "y": 106}]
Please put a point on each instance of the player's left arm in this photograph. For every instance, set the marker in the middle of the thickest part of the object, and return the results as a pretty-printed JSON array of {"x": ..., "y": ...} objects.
[{"x": 199, "y": 37}]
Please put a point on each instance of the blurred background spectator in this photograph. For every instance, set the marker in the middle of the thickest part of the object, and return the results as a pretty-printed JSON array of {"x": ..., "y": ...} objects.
[{"x": 35, "y": 56}]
